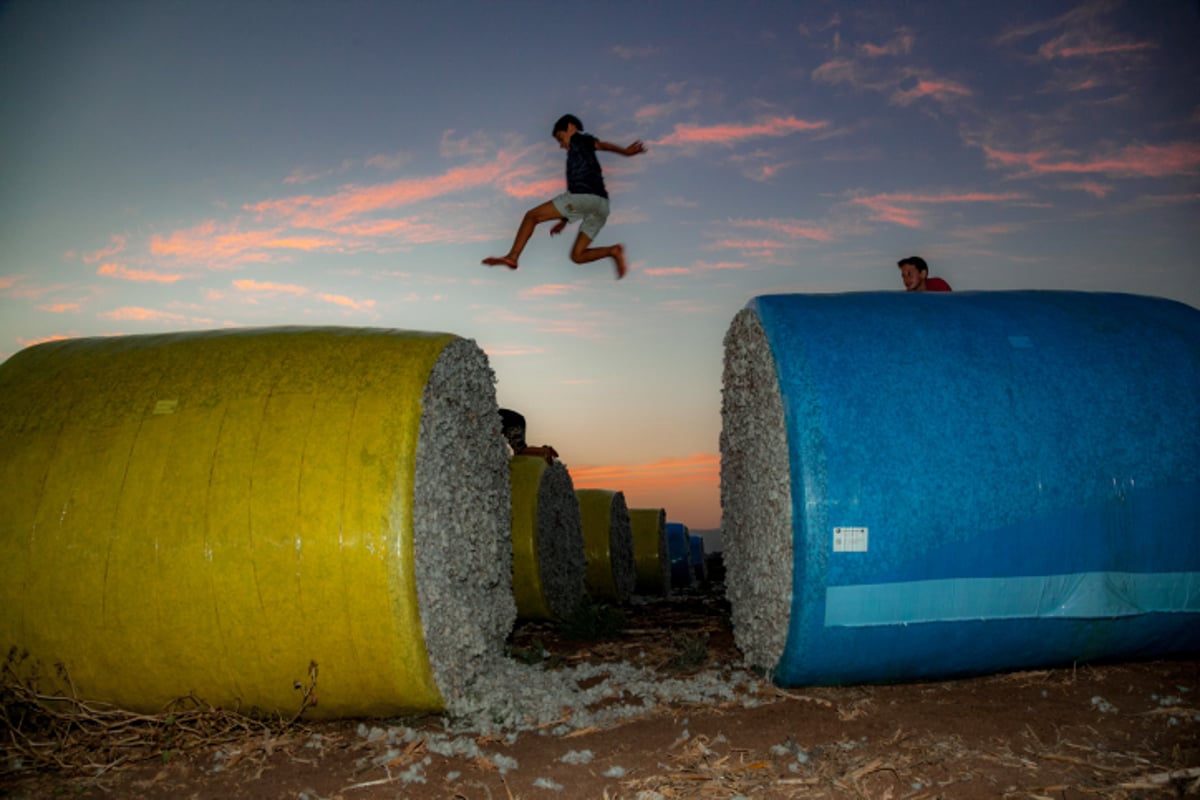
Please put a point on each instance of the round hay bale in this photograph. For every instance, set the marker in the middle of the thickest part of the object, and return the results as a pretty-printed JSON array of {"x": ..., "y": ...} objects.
[
  {"x": 607, "y": 544},
  {"x": 548, "y": 563},
  {"x": 923, "y": 486},
  {"x": 679, "y": 554},
  {"x": 651, "y": 561},
  {"x": 215, "y": 512}
]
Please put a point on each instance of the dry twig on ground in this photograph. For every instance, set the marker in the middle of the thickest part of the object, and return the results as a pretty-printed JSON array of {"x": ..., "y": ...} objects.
[{"x": 58, "y": 731}]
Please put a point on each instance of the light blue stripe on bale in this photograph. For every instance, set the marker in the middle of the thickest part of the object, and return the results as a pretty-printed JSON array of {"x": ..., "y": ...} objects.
[
  {"x": 1088, "y": 595},
  {"x": 985, "y": 435}
]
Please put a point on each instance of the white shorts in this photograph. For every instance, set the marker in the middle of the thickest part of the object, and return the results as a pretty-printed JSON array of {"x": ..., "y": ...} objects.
[{"x": 591, "y": 208}]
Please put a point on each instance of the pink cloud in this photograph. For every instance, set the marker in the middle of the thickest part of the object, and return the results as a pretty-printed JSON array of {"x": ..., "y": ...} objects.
[
  {"x": 749, "y": 244},
  {"x": 116, "y": 246},
  {"x": 60, "y": 308},
  {"x": 1071, "y": 45},
  {"x": 216, "y": 245},
  {"x": 512, "y": 351},
  {"x": 658, "y": 271},
  {"x": 961, "y": 197},
  {"x": 897, "y": 46},
  {"x": 717, "y": 266},
  {"x": 1133, "y": 161},
  {"x": 300, "y": 176},
  {"x": 138, "y": 314},
  {"x": 937, "y": 89},
  {"x": 324, "y": 213},
  {"x": 527, "y": 190},
  {"x": 795, "y": 230},
  {"x": 1099, "y": 190},
  {"x": 897, "y": 208},
  {"x": 56, "y": 337},
  {"x": 839, "y": 70},
  {"x": 577, "y": 326},
  {"x": 138, "y": 275},
  {"x": 652, "y": 111},
  {"x": 730, "y": 134},
  {"x": 547, "y": 290},
  {"x": 386, "y": 163},
  {"x": 410, "y": 229},
  {"x": 341, "y": 300},
  {"x": 276, "y": 288},
  {"x": 8, "y": 281},
  {"x": 681, "y": 98},
  {"x": 14, "y": 288},
  {"x": 986, "y": 231},
  {"x": 886, "y": 211},
  {"x": 226, "y": 245}
]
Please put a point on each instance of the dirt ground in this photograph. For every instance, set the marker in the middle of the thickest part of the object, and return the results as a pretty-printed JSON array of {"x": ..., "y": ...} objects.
[{"x": 1129, "y": 730}]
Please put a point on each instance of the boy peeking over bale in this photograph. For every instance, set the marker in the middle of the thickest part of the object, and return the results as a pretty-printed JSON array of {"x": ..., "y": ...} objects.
[{"x": 512, "y": 425}]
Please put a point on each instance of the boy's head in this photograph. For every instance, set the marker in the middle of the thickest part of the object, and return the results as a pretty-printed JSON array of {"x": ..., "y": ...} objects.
[
  {"x": 512, "y": 425},
  {"x": 566, "y": 127},
  {"x": 913, "y": 271}
]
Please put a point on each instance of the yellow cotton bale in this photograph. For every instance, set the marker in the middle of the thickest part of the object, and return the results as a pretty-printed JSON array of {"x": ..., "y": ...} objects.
[
  {"x": 548, "y": 565},
  {"x": 213, "y": 512},
  {"x": 607, "y": 544},
  {"x": 651, "y": 562}
]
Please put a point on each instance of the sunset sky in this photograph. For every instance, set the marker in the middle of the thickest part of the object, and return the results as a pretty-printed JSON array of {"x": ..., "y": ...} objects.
[{"x": 169, "y": 166}]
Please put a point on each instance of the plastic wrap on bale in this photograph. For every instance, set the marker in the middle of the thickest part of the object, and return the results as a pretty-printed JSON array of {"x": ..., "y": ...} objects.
[
  {"x": 696, "y": 557},
  {"x": 679, "y": 552},
  {"x": 548, "y": 563},
  {"x": 610, "y": 573},
  {"x": 214, "y": 512},
  {"x": 929, "y": 485},
  {"x": 651, "y": 561}
]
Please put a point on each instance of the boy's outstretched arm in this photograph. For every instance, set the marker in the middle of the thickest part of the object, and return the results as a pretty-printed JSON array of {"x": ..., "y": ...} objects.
[{"x": 631, "y": 150}]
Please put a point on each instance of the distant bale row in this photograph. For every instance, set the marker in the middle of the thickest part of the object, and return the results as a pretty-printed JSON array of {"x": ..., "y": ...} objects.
[
  {"x": 651, "y": 559},
  {"x": 679, "y": 553},
  {"x": 608, "y": 544},
  {"x": 547, "y": 539}
]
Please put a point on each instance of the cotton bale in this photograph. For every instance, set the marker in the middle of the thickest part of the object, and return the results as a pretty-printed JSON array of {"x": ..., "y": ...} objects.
[
  {"x": 928, "y": 485},
  {"x": 696, "y": 557},
  {"x": 213, "y": 512},
  {"x": 651, "y": 560},
  {"x": 680, "y": 554},
  {"x": 610, "y": 573},
  {"x": 547, "y": 539}
]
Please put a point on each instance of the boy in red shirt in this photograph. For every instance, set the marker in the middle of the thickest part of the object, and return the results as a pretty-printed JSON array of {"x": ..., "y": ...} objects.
[{"x": 915, "y": 274}]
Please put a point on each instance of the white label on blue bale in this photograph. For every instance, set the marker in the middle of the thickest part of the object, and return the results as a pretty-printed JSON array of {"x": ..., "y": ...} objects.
[{"x": 849, "y": 540}]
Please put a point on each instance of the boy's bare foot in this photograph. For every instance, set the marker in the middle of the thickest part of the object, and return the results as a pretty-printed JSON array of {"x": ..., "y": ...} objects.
[
  {"x": 619, "y": 257},
  {"x": 496, "y": 261}
]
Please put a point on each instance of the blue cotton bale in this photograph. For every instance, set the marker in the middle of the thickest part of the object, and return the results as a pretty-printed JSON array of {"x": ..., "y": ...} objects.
[
  {"x": 679, "y": 552},
  {"x": 930, "y": 485},
  {"x": 696, "y": 556}
]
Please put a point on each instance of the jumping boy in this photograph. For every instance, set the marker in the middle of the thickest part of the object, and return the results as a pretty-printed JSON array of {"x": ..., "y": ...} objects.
[{"x": 585, "y": 199}]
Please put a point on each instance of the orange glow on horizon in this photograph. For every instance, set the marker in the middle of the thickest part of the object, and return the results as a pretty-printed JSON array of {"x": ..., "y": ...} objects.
[{"x": 687, "y": 488}]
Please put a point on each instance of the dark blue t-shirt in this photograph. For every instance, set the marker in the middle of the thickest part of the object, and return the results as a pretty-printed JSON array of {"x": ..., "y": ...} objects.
[{"x": 583, "y": 168}]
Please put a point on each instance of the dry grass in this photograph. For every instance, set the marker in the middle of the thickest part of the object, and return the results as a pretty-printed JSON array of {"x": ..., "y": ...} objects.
[
  {"x": 916, "y": 742},
  {"x": 60, "y": 732}
]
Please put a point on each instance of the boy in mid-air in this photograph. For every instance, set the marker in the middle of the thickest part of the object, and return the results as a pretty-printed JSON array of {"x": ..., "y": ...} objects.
[{"x": 585, "y": 199}]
